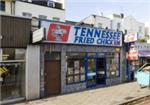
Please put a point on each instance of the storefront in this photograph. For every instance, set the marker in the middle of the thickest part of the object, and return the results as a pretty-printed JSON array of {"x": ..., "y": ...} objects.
[
  {"x": 138, "y": 55},
  {"x": 75, "y": 58},
  {"x": 13, "y": 57}
]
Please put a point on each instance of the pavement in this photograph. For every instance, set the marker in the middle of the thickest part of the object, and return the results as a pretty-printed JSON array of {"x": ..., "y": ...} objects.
[{"x": 112, "y": 95}]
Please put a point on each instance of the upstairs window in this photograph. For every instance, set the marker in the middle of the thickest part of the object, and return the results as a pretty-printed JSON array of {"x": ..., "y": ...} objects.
[
  {"x": 140, "y": 29},
  {"x": 100, "y": 25},
  {"x": 118, "y": 26},
  {"x": 2, "y": 5},
  {"x": 51, "y": 3},
  {"x": 42, "y": 17},
  {"x": 56, "y": 19},
  {"x": 26, "y": 14}
]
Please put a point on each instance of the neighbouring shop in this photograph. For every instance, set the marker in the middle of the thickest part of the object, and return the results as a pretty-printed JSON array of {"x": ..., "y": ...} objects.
[
  {"x": 138, "y": 55},
  {"x": 15, "y": 36},
  {"x": 77, "y": 57}
]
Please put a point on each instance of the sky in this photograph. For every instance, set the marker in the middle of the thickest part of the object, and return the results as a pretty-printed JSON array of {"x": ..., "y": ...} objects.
[{"x": 76, "y": 10}]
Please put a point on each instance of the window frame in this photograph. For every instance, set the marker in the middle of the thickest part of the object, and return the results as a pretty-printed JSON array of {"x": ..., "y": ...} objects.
[
  {"x": 2, "y": 5},
  {"x": 80, "y": 74}
]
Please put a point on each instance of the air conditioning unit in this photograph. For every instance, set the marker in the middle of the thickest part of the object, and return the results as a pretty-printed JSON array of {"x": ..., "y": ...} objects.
[{"x": 50, "y": 3}]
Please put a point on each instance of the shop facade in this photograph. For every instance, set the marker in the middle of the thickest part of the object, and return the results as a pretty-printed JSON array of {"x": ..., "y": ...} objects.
[
  {"x": 138, "y": 55},
  {"x": 13, "y": 57},
  {"x": 73, "y": 58}
]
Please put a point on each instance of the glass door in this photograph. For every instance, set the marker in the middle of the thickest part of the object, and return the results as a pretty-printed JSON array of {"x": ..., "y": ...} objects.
[
  {"x": 91, "y": 72},
  {"x": 101, "y": 71}
]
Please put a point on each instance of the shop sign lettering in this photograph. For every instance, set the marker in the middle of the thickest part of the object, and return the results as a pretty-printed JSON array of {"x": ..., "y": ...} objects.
[{"x": 63, "y": 33}]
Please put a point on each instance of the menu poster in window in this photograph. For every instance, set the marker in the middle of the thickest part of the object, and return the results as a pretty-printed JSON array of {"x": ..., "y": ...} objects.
[
  {"x": 70, "y": 71},
  {"x": 76, "y": 65}
]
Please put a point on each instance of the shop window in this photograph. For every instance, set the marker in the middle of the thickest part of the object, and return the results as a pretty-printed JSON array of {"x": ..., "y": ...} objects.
[
  {"x": 75, "y": 68},
  {"x": 112, "y": 65},
  {"x": 12, "y": 73}
]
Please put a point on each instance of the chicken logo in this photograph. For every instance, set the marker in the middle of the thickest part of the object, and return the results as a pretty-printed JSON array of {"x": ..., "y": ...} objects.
[{"x": 58, "y": 32}]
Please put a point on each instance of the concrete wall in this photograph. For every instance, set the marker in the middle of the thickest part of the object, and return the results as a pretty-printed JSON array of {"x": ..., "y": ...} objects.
[
  {"x": 37, "y": 10},
  {"x": 33, "y": 72}
]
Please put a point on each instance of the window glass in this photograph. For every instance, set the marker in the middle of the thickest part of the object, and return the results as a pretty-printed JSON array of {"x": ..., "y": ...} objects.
[
  {"x": 75, "y": 68},
  {"x": 29, "y": 15},
  {"x": 56, "y": 18},
  {"x": 12, "y": 73},
  {"x": 2, "y": 5},
  {"x": 112, "y": 64},
  {"x": 118, "y": 26},
  {"x": 42, "y": 17}
]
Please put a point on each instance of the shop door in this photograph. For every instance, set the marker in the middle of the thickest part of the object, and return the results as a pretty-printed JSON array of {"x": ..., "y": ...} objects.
[
  {"x": 52, "y": 77},
  {"x": 101, "y": 70},
  {"x": 91, "y": 72}
]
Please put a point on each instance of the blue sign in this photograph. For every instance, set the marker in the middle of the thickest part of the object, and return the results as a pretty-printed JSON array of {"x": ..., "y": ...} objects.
[{"x": 95, "y": 36}]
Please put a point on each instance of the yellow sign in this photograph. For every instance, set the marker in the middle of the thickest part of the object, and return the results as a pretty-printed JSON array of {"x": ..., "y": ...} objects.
[{"x": 3, "y": 70}]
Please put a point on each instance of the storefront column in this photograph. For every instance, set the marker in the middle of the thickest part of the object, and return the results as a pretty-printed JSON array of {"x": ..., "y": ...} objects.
[
  {"x": 63, "y": 71},
  {"x": 33, "y": 72},
  {"x": 122, "y": 65}
]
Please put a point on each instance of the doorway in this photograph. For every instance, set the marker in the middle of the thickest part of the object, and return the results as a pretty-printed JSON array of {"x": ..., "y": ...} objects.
[
  {"x": 95, "y": 71},
  {"x": 52, "y": 76},
  {"x": 91, "y": 72},
  {"x": 101, "y": 71}
]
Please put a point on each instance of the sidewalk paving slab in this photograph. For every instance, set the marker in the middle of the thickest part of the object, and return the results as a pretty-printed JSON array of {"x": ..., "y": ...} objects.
[{"x": 113, "y": 95}]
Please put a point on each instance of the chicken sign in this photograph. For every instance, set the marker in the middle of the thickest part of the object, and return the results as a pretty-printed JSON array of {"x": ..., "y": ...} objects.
[
  {"x": 70, "y": 34},
  {"x": 58, "y": 32}
]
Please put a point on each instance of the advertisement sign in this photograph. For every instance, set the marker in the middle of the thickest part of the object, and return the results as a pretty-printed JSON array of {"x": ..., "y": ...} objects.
[
  {"x": 130, "y": 37},
  {"x": 132, "y": 54},
  {"x": 143, "y": 49},
  {"x": 64, "y": 33},
  {"x": 38, "y": 35}
]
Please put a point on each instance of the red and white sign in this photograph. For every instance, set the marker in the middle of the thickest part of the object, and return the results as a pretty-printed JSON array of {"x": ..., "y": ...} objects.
[
  {"x": 71, "y": 34},
  {"x": 131, "y": 37},
  {"x": 132, "y": 54},
  {"x": 58, "y": 32}
]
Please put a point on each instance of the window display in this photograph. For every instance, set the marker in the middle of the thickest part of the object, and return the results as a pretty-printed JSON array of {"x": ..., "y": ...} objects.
[
  {"x": 12, "y": 73},
  {"x": 112, "y": 65},
  {"x": 75, "y": 68}
]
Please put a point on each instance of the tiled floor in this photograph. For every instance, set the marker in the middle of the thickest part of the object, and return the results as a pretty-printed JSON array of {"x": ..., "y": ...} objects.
[{"x": 113, "y": 95}]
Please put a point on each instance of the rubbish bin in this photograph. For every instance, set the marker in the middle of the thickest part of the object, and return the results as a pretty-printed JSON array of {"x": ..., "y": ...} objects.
[{"x": 143, "y": 75}]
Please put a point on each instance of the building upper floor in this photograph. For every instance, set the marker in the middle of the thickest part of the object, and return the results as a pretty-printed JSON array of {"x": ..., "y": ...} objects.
[
  {"x": 44, "y": 9},
  {"x": 130, "y": 24},
  {"x": 118, "y": 22}
]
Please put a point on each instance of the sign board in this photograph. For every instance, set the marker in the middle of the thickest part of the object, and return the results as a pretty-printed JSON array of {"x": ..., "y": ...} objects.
[
  {"x": 131, "y": 37},
  {"x": 38, "y": 35},
  {"x": 143, "y": 49},
  {"x": 132, "y": 54},
  {"x": 69, "y": 34}
]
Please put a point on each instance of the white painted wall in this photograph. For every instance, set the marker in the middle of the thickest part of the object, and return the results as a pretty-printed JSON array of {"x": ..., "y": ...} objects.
[
  {"x": 89, "y": 20},
  {"x": 7, "y": 8},
  {"x": 95, "y": 20},
  {"x": 37, "y": 10},
  {"x": 132, "y": 25},
  {"x": 106, "y": 22},
  {"x": 33, "y": 72},
  {"x": 147, "y": 28}
]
